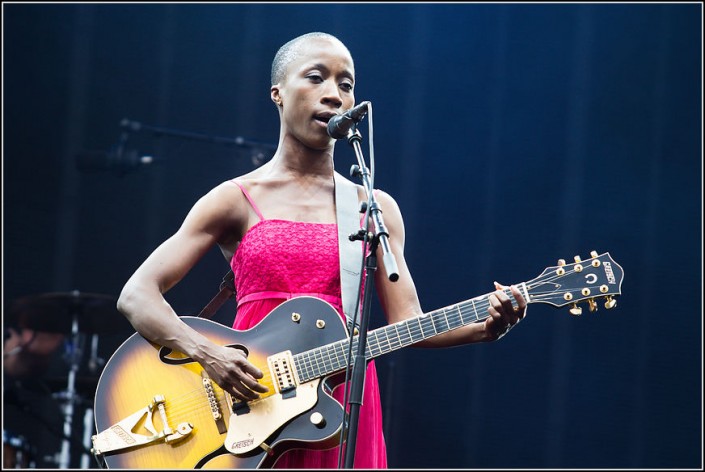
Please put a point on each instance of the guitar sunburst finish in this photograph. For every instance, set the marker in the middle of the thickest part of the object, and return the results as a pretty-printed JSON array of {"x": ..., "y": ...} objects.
[{"x": 137, "y": 372}]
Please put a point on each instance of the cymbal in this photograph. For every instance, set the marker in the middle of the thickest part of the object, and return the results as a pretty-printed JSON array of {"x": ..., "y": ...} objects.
[{"x": 55, "y": 312}]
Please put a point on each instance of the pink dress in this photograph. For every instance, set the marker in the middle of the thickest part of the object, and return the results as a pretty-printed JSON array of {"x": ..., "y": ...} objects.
[{"x": 277, "y": 260}]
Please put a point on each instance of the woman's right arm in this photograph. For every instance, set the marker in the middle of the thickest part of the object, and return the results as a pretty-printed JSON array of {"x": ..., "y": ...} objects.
[{"x": 142, "y": 300}]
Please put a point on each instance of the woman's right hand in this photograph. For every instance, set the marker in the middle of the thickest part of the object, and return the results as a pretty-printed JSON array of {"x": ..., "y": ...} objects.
[{"x": 229, "y": 368}]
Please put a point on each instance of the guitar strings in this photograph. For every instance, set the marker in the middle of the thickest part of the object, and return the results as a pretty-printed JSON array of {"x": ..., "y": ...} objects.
[
  {"x": 328, "y": 359},
  {"x": 325, "y": 359},
  {"x": 195, "y": 400}
]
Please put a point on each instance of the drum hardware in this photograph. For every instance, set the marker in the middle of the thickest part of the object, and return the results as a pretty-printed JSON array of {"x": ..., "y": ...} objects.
[
  {"x": 76, "y": 315},
  {"x": 17, "y": 452}
]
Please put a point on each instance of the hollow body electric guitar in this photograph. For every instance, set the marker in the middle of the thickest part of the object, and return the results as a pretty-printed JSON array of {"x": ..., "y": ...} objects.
[{"x": 159, "y": 409}]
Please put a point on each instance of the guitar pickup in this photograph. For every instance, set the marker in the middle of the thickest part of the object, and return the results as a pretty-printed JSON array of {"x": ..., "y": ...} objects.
[
  {"x": 121, "y": 436},
  {"x": 282, "y": 367}
]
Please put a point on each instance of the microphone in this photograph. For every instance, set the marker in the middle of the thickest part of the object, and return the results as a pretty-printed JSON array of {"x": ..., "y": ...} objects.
[{"x": 339, "y": 125}]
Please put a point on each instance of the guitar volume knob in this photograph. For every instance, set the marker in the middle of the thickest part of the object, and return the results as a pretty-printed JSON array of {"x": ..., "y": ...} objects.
[{"x": 317, "y": 419}]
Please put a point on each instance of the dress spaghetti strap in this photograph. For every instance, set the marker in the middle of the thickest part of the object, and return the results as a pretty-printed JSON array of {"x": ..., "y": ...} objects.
[{"x": 249, "y": 199}]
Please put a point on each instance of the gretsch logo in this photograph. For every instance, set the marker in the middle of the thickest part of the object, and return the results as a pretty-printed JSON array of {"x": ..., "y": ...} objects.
[
  {"x": 243, "y": 443},
  {"x": 122, "y": 434},
  {"x": 609, "y": 273}
]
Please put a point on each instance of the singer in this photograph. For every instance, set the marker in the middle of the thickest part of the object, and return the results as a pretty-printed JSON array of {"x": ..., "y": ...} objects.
[{"x": 276, "y": 227}]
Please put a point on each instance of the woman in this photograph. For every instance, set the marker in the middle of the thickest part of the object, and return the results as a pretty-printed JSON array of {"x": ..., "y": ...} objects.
[{"x": 277, "y": 227}]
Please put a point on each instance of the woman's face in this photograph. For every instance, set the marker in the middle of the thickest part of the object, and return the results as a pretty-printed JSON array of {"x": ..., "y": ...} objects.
[{"x": 317, "y": 84}]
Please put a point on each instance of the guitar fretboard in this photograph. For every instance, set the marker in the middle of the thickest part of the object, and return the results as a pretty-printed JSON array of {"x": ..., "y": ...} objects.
[{"x": 331, "y": 358}]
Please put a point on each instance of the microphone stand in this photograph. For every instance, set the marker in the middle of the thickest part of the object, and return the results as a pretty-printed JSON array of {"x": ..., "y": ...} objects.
[
  {"x": 380, "y": 237},
  {"x": 136, "y": 126},
  {"x": 258, "y": 147}
]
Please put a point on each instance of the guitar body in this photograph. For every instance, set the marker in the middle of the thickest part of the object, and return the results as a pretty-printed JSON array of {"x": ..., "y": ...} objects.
[{"x": 136, "y": 373}]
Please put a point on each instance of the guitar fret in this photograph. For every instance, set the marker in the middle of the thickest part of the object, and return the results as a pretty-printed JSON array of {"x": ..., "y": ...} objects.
[
  {"x": 466, "y": 310},
  {"x": 320, "y": 357},
  {"x": 423, "y": 324},
  {"x": 419, "y": 333},
  {"x": 390, "y": 338},
  {"x": 301, "y": 368},
  {"x": 314, "y": 360},
  {"x": 385, "y": 339},
  {"x": 310, "y": 366},
  {"x": 330, "y": 359},
  {"x": 439, "y": 321},
  {"x": 337, "y": 348},
  {"x": 477, "y": 317},
  {"x": 408, "y": 328},
  {"x": 307, "y": 367},
  {"x": 399, "y": 343},
  {"x": 406, "y": 337},
  {"x": 375, "y": 344},
  {"x": 303, "y": 365},
  {"x": 456, "y": 319},
  {"x": 460, "y": 314},
  {"x": 429, "y": 320},
  {"x": 339, "y": 355}
]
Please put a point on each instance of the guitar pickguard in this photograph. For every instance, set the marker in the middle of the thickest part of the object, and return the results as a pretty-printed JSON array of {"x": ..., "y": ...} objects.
[{"x": 247, "y": 431}]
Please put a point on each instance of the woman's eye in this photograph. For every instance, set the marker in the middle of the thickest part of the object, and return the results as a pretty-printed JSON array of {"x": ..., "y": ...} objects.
[
  {"x": 347, "y": 86},
  {"x": 315, "y": 78}
]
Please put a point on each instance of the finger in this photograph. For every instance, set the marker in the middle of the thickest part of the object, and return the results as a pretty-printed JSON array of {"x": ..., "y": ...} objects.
[
  {"x": 251, "y": 369},
  {"x": 506, "y": 308},
  {"x": 496, "y": 311},
  {"x": 250, "y": 375},
  {"x": 498, "y": 326},
  {"x": 241, "y": 392},
  {"x": 521, "y": 302},
  {"x": 245, "y": 365},
  {"x": 252, "y": 384},
  {"x": 495, "y": 307}
]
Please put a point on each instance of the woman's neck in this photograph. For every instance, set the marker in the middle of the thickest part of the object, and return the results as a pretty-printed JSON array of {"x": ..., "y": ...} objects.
[{"x": 300, "y": 162}]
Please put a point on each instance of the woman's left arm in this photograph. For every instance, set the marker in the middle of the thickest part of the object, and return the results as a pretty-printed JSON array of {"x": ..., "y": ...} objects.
[{"x": 400, "y": 300}]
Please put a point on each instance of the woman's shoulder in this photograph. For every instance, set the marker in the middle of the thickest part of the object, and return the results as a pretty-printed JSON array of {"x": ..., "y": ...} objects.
[{"x": 224, "y": 201}]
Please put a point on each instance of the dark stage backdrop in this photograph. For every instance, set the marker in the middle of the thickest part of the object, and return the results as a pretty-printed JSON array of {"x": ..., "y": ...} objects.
[{"x": 511, "y": 135}]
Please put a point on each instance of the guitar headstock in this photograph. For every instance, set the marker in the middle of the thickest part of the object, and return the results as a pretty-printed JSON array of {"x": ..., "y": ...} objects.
[{"x": 567, "y": 284}]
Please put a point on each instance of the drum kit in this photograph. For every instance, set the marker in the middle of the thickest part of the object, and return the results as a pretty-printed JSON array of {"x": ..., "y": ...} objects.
[{"x": 77, "y": 320}]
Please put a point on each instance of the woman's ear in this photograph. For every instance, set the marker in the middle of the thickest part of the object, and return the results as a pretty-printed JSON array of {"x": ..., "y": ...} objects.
[{"x": 276, "y": 98}]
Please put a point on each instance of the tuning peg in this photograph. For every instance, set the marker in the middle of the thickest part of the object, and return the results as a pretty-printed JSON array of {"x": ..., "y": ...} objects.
[
  {"x": 610, "y": 302},
  {"x": 593, "y": 305},
  {"x": 576, "y": 310},
  {"x": 593, "y": 254},
  {"x": 577, "y": 259},
  {"x": 561, "y": 262}
]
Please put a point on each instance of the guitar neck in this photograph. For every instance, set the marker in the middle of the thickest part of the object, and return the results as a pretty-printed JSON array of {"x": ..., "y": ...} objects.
[{"x": 331, "y": 358}]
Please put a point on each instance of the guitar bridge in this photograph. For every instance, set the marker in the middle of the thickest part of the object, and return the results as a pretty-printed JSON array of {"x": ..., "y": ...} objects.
[{"x": 121, "y": 436}]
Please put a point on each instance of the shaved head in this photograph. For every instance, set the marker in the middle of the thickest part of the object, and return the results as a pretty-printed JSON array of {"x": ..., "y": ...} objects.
[{"x": 290, "y": 51}]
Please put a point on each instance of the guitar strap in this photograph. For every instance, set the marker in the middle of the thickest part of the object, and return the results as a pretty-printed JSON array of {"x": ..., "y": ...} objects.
[
  {"x": 227, "y": 290},
  {"x": 347, "y": 216}
]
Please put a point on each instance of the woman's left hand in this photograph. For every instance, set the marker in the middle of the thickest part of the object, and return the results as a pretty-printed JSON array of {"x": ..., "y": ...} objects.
[{"x": 503, "y": 315}]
